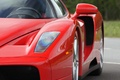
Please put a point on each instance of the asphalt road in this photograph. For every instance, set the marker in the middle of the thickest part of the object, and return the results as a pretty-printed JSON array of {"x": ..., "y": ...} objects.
[{"x": 111, "y": 70}]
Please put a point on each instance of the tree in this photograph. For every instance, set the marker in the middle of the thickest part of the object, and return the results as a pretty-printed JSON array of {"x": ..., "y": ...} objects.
[{"x": 110, "y": 9}]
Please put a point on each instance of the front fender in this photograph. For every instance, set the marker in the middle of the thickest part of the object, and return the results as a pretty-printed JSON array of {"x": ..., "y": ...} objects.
[
  {"x": 66, "y": 27},
  {"x": 61, "y": 50}
]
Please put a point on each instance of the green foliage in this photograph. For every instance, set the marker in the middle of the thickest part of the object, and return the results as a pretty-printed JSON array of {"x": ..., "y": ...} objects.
[
  {"x": 110, "y": 9},
  {"x": 112, "y": 28}
]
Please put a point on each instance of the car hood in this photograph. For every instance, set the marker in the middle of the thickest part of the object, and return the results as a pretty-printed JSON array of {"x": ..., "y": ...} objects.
[{"x": 13, "y": 28}]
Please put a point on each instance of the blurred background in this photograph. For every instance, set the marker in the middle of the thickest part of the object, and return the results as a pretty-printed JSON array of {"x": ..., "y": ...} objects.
[{"x": 110, "y": 10}]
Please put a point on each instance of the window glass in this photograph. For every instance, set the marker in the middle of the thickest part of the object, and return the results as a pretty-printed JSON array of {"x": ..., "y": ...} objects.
[
  {"x": 59, "y": 8},
  {"x": 25, "y": 8}
]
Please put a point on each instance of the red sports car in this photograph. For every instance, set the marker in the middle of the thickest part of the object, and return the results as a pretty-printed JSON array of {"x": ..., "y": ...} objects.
[{"x": 41, "y": 40}]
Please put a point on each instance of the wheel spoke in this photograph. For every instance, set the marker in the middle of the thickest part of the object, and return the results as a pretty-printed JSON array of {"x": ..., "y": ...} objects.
[
  {"x": 101, "y": 52},
  {"x": 75, "y": 59}
]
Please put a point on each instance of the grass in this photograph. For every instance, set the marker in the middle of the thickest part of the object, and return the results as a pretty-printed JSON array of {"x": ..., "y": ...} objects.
[{"x": 112, "y": 29}]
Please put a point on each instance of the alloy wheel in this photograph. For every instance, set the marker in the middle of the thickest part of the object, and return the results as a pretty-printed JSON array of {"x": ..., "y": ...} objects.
[{"x": 75, "y": 59}]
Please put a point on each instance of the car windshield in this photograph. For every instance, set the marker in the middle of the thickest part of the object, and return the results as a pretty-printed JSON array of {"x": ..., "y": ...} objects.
[{"x": 28, "y": 9}]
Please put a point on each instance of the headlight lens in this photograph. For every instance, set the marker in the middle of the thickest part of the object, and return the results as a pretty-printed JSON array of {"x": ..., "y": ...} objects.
[{"x": 45, "y": 41}]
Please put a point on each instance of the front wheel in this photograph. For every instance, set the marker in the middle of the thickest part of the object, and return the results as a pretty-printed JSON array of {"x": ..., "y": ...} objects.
[{"x": 76, "y": 57}]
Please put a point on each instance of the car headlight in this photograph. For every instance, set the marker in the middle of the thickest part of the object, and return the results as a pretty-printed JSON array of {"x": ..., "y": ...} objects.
[{"x": 45, "y": 41}]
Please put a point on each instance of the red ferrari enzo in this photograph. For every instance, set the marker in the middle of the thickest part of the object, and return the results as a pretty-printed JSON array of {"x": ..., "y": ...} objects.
[{"x": 41, "y": 40}]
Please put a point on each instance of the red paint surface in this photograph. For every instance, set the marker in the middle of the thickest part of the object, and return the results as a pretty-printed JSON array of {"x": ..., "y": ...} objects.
[{"x": 18, "y": 38}]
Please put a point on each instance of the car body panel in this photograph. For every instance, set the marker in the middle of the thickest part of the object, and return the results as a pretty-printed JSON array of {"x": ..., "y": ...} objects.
[
  {"x": 90, "y": 52},
  {"x": 23, "y": 27},
  {"x": 19, "y": 37}
]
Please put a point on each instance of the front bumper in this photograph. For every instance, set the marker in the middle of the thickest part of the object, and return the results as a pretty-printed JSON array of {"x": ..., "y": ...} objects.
[{"x": 25, "y": 68}]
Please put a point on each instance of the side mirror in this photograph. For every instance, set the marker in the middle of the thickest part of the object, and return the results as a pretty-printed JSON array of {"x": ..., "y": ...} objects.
[{"x": 84, "y": 8}]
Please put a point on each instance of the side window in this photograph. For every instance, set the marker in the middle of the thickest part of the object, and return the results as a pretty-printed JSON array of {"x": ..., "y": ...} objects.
[
  {"x": 49, "y": 12},
  {"x": 59, "y": 8}
]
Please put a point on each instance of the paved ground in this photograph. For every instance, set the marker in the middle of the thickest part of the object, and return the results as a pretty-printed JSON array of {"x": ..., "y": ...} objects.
[
  {"x": 112, "y": 50},
  {"x": 111, "y": 70}
]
